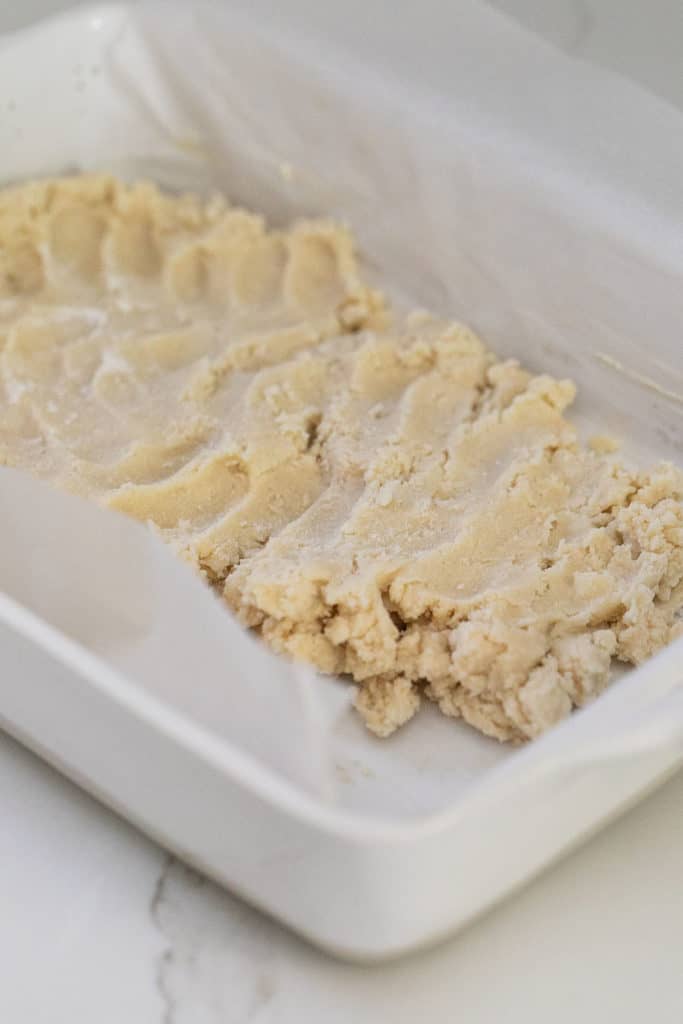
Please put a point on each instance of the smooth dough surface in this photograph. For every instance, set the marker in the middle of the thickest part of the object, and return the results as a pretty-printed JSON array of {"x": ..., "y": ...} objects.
[{"x": 377, "y": 495}]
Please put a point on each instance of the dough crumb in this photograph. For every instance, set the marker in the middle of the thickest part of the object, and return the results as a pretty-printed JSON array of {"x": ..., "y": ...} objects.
[
  {"x": 386, "y": 704},
  {"x": 603, "y": 444}
]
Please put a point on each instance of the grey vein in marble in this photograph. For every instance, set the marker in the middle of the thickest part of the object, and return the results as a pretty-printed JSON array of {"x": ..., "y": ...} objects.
[{"x": 219, "y": 954}]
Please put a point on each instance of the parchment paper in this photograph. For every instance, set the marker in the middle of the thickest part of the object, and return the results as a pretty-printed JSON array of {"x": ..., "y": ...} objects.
[{"x": 535, "y": 197}]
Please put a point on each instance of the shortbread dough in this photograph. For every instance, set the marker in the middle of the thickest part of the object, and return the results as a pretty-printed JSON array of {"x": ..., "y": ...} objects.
[{"x": 378, "y": 495}]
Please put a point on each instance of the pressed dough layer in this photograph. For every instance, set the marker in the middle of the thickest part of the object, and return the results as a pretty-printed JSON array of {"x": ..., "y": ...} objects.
[{"x": 377, "y": 495}]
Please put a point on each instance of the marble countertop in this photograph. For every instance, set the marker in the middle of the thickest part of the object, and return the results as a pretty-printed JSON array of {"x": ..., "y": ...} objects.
[{"x": 99, "y": 925}]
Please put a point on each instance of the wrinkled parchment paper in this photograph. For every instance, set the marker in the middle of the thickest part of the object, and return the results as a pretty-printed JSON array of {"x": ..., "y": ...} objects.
[{"x": 115, "y": 588}]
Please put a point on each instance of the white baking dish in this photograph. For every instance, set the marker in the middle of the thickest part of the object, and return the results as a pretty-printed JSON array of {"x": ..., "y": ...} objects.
[{"x": 552, "y": 236}]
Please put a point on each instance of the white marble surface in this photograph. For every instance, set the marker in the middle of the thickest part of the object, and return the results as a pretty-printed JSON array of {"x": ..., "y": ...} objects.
[{"x": 98, "y": 925}]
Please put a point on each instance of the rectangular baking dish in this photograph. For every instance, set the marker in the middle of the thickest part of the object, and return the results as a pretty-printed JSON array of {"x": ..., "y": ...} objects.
[{"x": 475, "y": 203}]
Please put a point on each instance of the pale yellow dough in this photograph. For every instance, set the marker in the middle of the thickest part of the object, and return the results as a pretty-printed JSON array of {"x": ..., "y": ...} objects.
[{"x": 381, "y": 497}]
